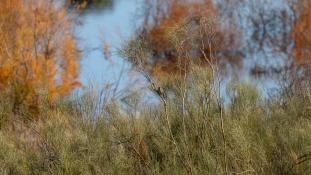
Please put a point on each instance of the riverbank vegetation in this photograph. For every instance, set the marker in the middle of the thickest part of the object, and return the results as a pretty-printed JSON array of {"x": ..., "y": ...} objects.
[
  {"x": 199, "y": 124},
  {"x": 190, "y": 132}
]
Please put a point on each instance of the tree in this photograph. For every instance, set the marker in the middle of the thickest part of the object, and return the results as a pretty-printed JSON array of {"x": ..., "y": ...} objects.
[
  {"x": 38, "y": 51},
  {"x": 177, "y": 33},
  {"x": 302, "y": 34}
]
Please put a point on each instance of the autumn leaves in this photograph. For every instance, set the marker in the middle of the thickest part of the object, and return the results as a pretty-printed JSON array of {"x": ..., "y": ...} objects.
[
  {"x": 178, "y": 33},
  {"x": 38, "y": 52}
]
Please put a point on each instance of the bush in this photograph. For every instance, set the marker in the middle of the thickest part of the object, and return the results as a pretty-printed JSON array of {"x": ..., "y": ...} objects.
[
  {"x": 190, "y": 132},
  {"x": 38, "y": 56}
]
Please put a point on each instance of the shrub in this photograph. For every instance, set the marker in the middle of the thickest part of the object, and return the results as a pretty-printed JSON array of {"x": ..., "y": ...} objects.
[
  {"x": 176, "y": 33},
  {"x": 38, "y": 52},
  {"x": 190, "y": 132}
]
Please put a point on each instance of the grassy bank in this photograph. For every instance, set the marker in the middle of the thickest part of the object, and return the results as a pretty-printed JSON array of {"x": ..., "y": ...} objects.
[{"x": 190, "y": 131}]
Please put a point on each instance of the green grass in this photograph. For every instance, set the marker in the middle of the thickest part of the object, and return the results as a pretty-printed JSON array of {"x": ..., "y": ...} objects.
[{"x": 190, "y": 131}]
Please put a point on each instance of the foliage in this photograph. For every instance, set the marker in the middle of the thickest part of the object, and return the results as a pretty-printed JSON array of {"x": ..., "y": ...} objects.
[
  {"x": 302, "y": 35},
  {"x": 190, "y": 132},
  {"x": 225, "y": 32},
  {"x": 175, "y": 33},
  {"x": 193, "y": 128},
  {"x": 38, "y": 52}
]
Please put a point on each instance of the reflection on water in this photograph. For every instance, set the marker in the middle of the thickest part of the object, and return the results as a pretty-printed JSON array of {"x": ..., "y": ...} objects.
[
  {"x": 93, "y": 5},
  {"x": 111, "y": 23}
]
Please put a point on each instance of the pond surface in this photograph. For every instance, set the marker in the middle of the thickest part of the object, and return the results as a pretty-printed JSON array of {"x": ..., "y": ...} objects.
[
  {"x": 114, "y": 24},
  {"x": 110, "y": 25}
]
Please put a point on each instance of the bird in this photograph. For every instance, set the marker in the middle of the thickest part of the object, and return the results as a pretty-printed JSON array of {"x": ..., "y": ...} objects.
[{"x": 160, "y": 91}]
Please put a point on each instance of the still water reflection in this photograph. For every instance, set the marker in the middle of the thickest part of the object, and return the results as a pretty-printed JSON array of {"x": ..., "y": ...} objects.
[
  {"x": 114, "y": 23},
  {"x": 110, "y": 23}
]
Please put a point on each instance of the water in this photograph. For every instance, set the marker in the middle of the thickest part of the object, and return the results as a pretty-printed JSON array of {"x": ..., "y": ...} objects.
[
  {"x": 115, "y": 24},
  {"x": 107, "y": 25}
]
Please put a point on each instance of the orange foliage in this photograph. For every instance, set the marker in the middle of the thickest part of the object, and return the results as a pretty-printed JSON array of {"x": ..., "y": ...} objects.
[
  {"x": 180, "y": 31},
  {"x": 302, "y": 34},
  {"x": 38, "y": 52}
]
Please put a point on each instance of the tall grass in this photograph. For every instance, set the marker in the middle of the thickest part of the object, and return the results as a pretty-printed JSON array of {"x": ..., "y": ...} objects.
[{"x": 190, "y": 131}]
